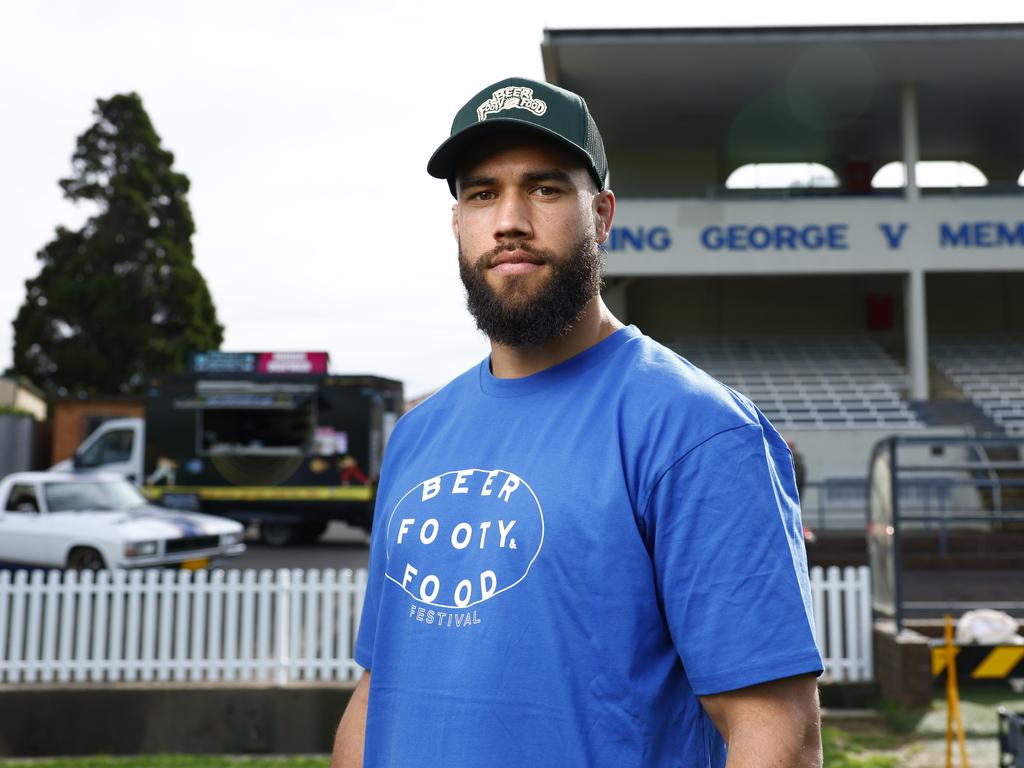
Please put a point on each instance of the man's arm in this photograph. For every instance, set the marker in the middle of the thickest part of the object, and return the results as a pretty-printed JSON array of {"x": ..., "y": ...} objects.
[
  {"x": 348, "y": 741},
  {"x": 771, "y": 725}
]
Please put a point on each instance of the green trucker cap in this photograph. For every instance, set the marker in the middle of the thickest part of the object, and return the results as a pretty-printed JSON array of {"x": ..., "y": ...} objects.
[{"x": 518, "y": 102}]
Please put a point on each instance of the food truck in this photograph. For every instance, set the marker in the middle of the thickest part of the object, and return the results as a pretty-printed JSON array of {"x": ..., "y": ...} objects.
[{"x": 270, "y": 438}]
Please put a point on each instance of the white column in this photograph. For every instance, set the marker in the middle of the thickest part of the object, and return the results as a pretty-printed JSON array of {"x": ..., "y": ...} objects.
[
  {"x": 916, "y": 322},
  {"x": 911, "y": 147},
  {"x": 615, "y": 297}
]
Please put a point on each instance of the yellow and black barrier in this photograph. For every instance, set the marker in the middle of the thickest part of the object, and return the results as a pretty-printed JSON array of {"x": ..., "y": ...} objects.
[{"x": 979, "y": 662}]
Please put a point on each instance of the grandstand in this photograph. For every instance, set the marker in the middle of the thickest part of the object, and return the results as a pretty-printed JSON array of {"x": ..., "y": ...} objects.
[
  {"x": 848, "y": 309},
  {"x": 989, "y": 370},
  {"x": 809, "y": 382}
]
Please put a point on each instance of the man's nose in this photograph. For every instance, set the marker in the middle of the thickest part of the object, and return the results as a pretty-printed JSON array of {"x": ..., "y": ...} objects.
[{"x": 512, "y": 218}]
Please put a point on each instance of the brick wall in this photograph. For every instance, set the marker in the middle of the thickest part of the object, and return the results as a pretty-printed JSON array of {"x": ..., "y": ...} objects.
[{"x": 72, "y": 420}]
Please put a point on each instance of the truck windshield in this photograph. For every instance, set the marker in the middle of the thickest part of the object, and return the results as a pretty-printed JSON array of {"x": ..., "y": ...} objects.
[{"x": 91, "y": 495}]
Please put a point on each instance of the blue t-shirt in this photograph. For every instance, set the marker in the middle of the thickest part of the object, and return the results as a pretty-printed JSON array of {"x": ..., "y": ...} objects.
[{"x": 562, "y": 563}]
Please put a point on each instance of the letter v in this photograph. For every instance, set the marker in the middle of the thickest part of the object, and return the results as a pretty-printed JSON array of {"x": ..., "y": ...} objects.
[{"x": 895, "y": 239}]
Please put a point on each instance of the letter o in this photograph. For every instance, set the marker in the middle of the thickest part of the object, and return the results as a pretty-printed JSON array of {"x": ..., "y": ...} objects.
[
  {"x": 468, "y": 530},
  {"x": 463, "y": 586},
  {"x": 759, "y": 238},
  {"x": 423, "y": 531},
  {"x": 432, "y": 580}
]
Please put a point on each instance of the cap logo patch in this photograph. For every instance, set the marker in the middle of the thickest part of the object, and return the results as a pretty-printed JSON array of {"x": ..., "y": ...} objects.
[{"x": 511, "y": 97}]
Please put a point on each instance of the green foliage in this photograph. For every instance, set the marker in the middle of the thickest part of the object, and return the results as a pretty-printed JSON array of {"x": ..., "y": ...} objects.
[
  {"x": 7, "y": 410},
  {"x": 841, "y": 750},
  {"x": 121, "y": 297}
]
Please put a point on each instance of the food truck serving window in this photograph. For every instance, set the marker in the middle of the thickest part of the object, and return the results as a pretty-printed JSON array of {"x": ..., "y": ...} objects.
[{"x": 256, "y": 431}]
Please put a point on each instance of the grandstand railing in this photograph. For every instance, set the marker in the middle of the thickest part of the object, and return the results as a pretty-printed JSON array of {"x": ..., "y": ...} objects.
[{"x": 281, "y": 627}]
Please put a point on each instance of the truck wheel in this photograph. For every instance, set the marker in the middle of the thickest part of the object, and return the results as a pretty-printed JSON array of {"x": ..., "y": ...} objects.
[
  {"x": 278, "y": 534},
  {"x": 85, "y": 559}
]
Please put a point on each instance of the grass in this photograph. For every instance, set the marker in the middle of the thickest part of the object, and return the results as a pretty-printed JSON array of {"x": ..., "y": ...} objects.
[
  {"x": 170, "y": 761},
  {"x": 846, "y": 750},
  {"x": 901, "y": 719}
]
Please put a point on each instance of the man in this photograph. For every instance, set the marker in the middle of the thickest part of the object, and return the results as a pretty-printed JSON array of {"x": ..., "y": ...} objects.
[{"x": 586, "y": 552}]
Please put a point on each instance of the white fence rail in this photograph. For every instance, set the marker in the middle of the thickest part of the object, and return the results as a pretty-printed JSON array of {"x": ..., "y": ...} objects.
[
  {"x": 271, "y": 626},
  {"x": 177, "y": 625}
]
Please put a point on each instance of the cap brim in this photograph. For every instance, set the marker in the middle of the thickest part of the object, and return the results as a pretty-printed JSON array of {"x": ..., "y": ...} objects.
[{"x": 443, "y": 163}]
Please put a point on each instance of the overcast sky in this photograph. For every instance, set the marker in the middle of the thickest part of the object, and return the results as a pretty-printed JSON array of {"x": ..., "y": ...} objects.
[{"x": 305, "y": 128}]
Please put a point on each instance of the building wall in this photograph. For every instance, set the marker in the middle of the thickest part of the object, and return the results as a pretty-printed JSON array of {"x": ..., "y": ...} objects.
[
  {"x": 73, "y": 420},
  {"x": 14, "y": 395},
  {"x": 670, "y": 307},
  {"x": 675, "y": 173},
  {"x": 975, "y": 303}
]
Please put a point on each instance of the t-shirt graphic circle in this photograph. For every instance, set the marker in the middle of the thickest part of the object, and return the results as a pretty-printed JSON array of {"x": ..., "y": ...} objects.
[{"x": 462, "y": 537}]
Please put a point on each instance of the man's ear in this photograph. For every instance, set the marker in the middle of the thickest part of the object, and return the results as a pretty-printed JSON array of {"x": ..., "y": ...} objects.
[
  {"x": 604, "y": 214},
  {"x": 455, "y": 221}
]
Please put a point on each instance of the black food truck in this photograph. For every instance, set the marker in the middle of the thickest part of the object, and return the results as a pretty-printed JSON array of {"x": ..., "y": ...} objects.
[{"x": 269, "y": 438}]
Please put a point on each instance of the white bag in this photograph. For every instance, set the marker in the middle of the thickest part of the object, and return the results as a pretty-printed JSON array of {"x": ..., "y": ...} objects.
[{"x": 987, "y": 627}]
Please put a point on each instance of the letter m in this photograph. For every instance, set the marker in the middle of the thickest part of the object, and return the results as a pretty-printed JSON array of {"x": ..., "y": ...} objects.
[
  {"x": 1010, "y": 236},
  {"x": 948, "y": 236}
]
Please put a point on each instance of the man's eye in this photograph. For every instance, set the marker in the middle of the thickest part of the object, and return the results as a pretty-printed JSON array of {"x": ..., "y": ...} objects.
[
  {"x": 484, "y": 194},
  {"x": 546, "y": 191}
]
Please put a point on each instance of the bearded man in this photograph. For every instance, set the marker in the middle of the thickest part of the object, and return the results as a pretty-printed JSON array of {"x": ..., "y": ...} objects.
[{"x": 586, "y": 551}]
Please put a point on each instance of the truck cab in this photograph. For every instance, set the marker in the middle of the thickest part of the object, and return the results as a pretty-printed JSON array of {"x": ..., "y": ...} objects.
[{"x": 117, "y": 445}]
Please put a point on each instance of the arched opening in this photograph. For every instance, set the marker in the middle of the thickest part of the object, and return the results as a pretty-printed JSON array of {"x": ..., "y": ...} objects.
[
  {"x": 930, "y": 173},
  {"x": 781, "y": 176}
]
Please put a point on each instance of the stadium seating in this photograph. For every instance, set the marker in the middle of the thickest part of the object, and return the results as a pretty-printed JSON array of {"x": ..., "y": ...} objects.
[
  {"x": 989, "y": 370},
  {"x": 809, "y": 382}
]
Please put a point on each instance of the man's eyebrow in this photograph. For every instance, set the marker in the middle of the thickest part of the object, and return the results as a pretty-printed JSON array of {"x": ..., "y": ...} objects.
[
  {"x": 548, "y": 174},
  {"x": 476, "y": 181},
  {"x": 541, "y": 174}
]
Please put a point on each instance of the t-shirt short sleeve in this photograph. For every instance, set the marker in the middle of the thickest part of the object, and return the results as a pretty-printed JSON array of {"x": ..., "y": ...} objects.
[{"x": 723, "y": 525}]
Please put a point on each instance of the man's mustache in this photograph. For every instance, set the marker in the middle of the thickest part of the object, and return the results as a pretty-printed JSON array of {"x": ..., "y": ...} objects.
[{"x": 540, "y": 256}]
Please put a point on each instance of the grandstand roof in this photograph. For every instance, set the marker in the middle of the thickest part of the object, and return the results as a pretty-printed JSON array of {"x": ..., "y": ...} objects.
[{"x": 792, "y": 85}]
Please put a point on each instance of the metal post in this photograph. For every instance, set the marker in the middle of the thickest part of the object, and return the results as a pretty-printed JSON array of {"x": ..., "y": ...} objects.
[
  {"x": 944, "y": 532},
  {"x": 911, "y": 150},
  {"x": 916, "y": 324},
  {"x": 897, "y": 560}
]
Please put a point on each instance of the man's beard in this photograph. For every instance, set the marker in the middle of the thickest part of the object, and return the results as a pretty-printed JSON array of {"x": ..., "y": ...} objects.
[{"x": 517, "y": 316}]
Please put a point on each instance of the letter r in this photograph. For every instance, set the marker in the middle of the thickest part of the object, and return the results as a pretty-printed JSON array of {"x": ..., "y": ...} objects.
[{"x": 511, "y": 483}]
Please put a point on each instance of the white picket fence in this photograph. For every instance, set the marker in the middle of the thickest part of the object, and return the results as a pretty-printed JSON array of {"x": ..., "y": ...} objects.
[
  {"x": 841, "y": 599},
  {"x": 267, "y": 626},
  {"x": 177, "y": 625}
]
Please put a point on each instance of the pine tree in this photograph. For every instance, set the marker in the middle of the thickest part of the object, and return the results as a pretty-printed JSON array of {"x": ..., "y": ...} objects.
[{"x": 121, "y": 297}]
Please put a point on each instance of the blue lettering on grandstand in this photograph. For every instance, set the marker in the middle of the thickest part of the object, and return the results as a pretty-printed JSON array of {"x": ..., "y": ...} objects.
[
  {"x": 740, "y": 237},
  {"x": 981, "y": 234},
  {"x": 894, "y": 237},
  {"x": 639, "y": 238}
]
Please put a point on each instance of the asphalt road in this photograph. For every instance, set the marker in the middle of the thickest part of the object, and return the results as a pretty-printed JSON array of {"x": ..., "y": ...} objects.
[{"x": 341, "y": 546}]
